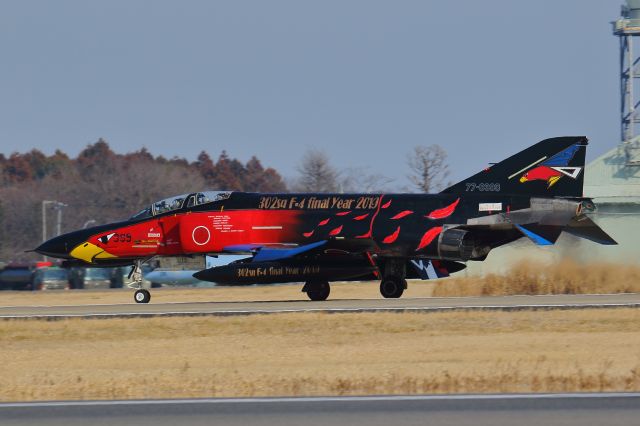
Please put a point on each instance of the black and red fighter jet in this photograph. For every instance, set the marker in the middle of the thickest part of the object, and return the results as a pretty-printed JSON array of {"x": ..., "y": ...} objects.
[{"x": 319, "y": 238}]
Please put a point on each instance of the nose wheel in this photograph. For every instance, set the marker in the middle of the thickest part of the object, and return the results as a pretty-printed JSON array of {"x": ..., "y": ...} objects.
[{"x": 142, "y": 296}]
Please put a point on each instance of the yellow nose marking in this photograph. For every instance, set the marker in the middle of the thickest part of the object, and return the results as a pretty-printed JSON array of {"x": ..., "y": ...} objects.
[{"x": 87, "y": 252}]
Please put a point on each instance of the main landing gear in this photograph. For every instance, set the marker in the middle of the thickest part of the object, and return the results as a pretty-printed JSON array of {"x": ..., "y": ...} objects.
[
  {"x": 392, "y": 287},
  {"x": 141, "y": 295},
  {"x": 317, "y": 290},
  {"x": 393, "y": 283}
]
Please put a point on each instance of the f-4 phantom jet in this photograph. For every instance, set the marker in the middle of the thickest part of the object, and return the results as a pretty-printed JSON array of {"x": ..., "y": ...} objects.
[{"x": 317, "y": 238}]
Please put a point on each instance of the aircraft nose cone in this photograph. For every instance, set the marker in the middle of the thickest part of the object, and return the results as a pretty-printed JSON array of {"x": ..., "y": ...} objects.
[
  {"x": 62, "y": 245},
  {"x": 55, "y": 247}
]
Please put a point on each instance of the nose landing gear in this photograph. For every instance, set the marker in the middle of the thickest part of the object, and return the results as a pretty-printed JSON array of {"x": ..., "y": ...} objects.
[{"x": 141, "y": 295}]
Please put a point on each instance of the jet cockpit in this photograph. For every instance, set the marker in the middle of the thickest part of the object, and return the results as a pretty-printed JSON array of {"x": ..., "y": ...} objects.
[{"x": 180, "y": 202}]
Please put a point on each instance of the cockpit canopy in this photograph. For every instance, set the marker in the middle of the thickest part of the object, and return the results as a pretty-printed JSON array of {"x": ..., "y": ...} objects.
[{"x": 181, "y": 201}]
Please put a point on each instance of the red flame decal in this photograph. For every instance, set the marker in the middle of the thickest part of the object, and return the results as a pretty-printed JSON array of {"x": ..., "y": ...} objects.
[
  {"x": 343, "y": 213},
  {"x": 367, "y": 235},
  {"x": 429, "y": 236},
  {"x": 444, "y": 212},
  {"x": 387, "y": 204},
  {"x": 402, "y": 214},
  {"x": 391, "y": 238},
  {"x": 324, "y": 222},
  {"x": 336, "y": 231},
  {"x": 308, "y": 234},
  {"x": 364, "y": 216}
]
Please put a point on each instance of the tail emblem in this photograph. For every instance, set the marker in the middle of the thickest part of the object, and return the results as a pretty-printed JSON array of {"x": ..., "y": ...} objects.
[{"x": 552, "y": 169}]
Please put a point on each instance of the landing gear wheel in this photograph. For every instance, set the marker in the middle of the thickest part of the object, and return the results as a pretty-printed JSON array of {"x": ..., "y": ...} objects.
[
  {"x": 318, "y": 290},
  {"x": 392, "y": 287},
  {"x": 142, "y": 296}
]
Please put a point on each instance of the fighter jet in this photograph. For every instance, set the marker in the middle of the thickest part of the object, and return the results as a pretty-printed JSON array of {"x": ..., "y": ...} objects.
[{"x": 318, "y": 238}]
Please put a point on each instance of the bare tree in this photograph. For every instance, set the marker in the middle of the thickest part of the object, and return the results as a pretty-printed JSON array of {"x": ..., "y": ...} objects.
[
  {"x": 429, "y": 169},
  {"x": 358, "y": 179},
  {"x": 316, "y": 174}
]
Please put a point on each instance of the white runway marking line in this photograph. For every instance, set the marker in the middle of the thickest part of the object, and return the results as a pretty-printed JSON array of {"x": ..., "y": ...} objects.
[
  {"x": 330, "y": 310},
  {"x": 542, "y": 296},
  {"x": 463, "y": 397}
]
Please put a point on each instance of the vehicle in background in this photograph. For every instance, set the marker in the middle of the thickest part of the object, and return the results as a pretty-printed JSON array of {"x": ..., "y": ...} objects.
[
  {"x": 20, "y": 276},
  {"x": 96, "y": 278},
  {"x": 168, "y": 276},
  {"x": 17, "y": 277},
  {"x": 51, "y": 279}
]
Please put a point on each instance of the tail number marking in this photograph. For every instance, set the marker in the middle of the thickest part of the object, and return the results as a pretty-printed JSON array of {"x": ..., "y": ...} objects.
[{"x": 482, "y": 187}]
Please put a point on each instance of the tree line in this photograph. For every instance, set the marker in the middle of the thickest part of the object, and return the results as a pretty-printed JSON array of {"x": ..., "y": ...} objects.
[{"x": 100, "y": 186}]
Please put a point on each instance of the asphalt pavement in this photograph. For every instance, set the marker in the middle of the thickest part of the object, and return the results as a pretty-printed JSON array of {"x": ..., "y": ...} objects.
[
  {"x": 458, "y": 410},
  {"x": 427, "y": 304}
]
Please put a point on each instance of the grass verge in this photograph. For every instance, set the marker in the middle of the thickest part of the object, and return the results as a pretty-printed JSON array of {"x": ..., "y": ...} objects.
[
  {"x": 562, "y": 277},
  {"x": 321, "y": 354}
]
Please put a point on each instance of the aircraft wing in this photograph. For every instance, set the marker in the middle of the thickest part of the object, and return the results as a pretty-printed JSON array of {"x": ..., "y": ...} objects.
[{"x": 279, "y": 251}]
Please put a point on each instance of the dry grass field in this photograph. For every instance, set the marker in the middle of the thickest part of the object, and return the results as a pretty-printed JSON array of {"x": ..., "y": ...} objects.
[
  {"x": 562, "y": 277},
  {"x": 321, "y": 354}
]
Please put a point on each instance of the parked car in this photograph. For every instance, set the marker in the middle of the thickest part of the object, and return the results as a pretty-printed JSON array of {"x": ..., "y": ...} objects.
[
  {"x": 51, "y": 279},
  {"x": 17, "y": 277},
  {"x": 95, "y": 278}
]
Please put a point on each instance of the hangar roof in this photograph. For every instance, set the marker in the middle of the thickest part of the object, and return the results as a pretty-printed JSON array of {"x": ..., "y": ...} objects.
[{"x": 613, "y": 178}]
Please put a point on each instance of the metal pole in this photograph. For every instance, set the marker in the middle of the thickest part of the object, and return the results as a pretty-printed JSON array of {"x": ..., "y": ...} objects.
[
  {"x": 58, "y": 205},
  {"x": 630, "y": 100},
  {"x": 44, "y": 224},
  {"x": 59, "y": 218},
  {"x": 623, "y": 88}
]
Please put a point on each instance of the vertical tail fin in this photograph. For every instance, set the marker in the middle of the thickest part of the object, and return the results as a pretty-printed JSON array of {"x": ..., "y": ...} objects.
[{"x": 552, "y": 167}]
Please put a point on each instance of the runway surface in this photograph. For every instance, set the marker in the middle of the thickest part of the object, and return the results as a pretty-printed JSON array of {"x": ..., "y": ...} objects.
[
  {"x": 461, "y": 410},
  {"x": 507, "y": 303}
]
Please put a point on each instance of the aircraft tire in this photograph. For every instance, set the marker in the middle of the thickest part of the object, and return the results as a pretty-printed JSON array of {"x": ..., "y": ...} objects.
[
  {"x": 392, "y": 287},
  {"x": 319, "y": 290},
  {"x": 142, "y": 296}
]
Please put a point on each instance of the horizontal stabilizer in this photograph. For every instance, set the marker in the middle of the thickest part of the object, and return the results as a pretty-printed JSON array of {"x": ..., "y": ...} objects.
[
  {"x": 542, "y": 235},
  {"x": 584, "y": 227}
]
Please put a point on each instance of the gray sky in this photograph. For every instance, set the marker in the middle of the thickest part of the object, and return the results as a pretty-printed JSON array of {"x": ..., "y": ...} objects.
[{"x": 363, "y": 80}]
